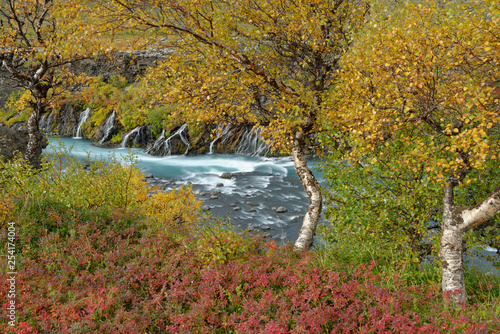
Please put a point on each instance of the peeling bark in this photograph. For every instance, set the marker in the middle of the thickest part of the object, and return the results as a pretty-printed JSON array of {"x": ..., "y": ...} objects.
[
  {"x": 34, "y": 149},
  {"x": 456, "y": 221},
  {"x": 313, "y": 190},
  {"x": 452, "y": 265}
]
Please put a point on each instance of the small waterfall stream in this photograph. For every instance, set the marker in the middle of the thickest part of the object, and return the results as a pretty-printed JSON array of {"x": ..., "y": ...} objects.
[
  {"x": 84, "y": 116},
  {"x": 251, "y": 143},
  {"x": 108, "y": 126},
  {"x": 134, "y": 133},
  {"x": 42, "y": 124},
  {"x": 163, "y": 146},
  {"x": 48, "y": 124},
  {"x": 221, "y": 133},
  {"x": 156, "y": 145}
]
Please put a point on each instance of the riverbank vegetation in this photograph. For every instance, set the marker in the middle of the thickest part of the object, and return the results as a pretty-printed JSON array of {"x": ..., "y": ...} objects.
[
  {"x": 97, "y": 254},
  {"x": 404, "y": 99}
]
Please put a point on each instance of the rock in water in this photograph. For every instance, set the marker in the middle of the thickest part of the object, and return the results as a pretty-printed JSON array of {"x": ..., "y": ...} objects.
[
  {"x": 227, "y": 175},
  {"x": 281, "y": 209}
]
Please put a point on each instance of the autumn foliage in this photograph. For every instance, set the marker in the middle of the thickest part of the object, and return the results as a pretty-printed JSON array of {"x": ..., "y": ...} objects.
[
  {"x": 110, "y": 275},
  {"x": 112, "y": 267}
]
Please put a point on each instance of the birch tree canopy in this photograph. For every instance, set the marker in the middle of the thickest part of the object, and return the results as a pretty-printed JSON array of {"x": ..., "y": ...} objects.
[{"x": 427, "y": 75}]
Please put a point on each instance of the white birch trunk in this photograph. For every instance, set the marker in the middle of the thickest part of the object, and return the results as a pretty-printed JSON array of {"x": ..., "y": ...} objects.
[
  {"x": 456, "y": 221},
  {"x": 313, "y": 190},
  {"x": 34, "y": 149}
]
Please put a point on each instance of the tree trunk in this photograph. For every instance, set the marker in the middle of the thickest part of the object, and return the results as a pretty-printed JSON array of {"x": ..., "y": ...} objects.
[
  {"x": 313, "y": 190},
  {"x": 35, "y": 144},
  {"x": 453, "y": 280},
  {"x": 456, "y": 221}
]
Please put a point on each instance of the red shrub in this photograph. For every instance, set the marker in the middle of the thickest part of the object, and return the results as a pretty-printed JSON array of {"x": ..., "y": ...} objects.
[{"x": 105, "y": 277}]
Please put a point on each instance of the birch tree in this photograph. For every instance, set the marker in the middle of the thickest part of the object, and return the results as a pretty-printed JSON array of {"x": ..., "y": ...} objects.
[
  {"x": 426, "y": 75},
  {"x": 38, "y": 38},
  {"x": 262, "y": 62}
]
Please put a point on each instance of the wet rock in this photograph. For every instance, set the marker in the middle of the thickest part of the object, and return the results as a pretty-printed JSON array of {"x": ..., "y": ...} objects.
[
  {"x": 236, "y": 208},
  {"x": 220, "y": 185},
  {"x": 234, "y": 204},
  {"x": 148, "y": 176},
  {"x": 252, "y": 210},
  {"x": 227, "y": 176},
  {"x": 206, "y": 208},
  {"x": 265, "y": 227},
  {"x": 273, "y": 208},
  {"x": 281, "y": 209},
  {"x": 203, "y": 193},
  {"x": 251, "y": 204},
  {"x": 214, "y": 197}
]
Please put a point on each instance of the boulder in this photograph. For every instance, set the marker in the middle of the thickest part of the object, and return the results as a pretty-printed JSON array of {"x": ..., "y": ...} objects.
[
  {"x": 281, "y": 209},
  {"x": 227, "y": 175}
]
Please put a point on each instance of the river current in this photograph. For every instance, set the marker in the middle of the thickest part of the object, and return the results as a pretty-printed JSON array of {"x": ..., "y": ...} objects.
[{"x": 253, "y": 198}]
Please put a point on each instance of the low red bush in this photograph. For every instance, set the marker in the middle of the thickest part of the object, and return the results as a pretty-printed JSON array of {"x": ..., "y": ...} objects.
[{"x": 111, "y": 277}]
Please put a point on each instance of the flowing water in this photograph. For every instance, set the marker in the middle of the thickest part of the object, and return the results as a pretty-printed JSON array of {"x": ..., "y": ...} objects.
[
  {"x": 108, "y": 126},
  {"x": 134, "y": 133},
  {"x": 259, "y": 185},
  {"x": 84, "y": 116},
  {"x": 249, "y": 199}
]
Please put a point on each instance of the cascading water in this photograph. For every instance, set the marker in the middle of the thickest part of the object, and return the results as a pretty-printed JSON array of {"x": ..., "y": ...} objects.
[
  {"x": 42, "y": 123},
  {"x": 108, "y": 126},
  {"x": 156, "y": 145},
  {"x": 251, "y": 143},
  {"x": 48, "y": 124},
  {"x": 134, "y": 133},
  {"x": 224, "y": 134},
  {"x": 84, "y": 116},
  {"x": 163, "y": 146}
]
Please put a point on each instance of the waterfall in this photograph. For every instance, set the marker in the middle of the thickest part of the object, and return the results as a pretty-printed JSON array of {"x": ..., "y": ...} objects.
[
  {"x": 156, "y": 145},
  {"x": 48, "y": 124},
  {"x": 182, "y": 136},
  {"x": 251, "y": 143},
  {"x": 108, "y": 126},
  {"x": 84, "y": 116},
  {"x": 163, "y": 146},
  {"x": 41, "y": 124},
  {"x": 224, "y": 133},
  {"x": 126, "y": 137}
]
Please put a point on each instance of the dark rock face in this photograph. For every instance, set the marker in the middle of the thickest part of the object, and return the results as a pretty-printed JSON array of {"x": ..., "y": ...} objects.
[
  {"x": 7, "y": 87},
  {"x": 127, "y": 64},
  {"x": 12, "y": 141},
  {"x": 67, "y": 120},
  {"x": 64, "y": 121}
]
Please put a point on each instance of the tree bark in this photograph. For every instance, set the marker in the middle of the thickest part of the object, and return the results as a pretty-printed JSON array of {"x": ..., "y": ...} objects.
[
  {"x": 35, "y": 143},
  {"x": 313, "y": 190},
  {"x": 456, "y": 221}
]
